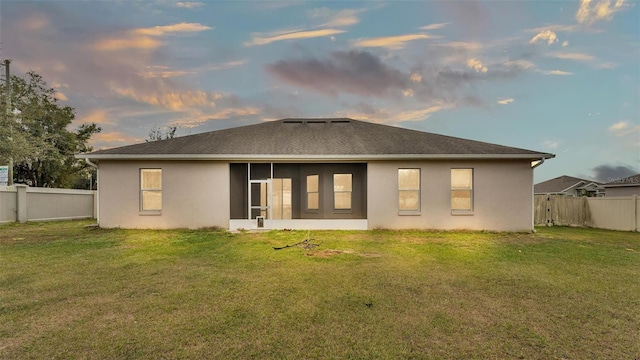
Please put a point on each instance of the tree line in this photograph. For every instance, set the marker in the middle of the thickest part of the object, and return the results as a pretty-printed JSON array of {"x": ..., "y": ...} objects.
[{"x": 35, "y": 133}]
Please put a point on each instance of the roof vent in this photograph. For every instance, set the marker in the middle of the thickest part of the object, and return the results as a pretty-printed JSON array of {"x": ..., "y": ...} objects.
[
  {"x": 316, "y": 121},
  {"x": 340, "y": 121},
  {"x": 292, "y": 122}
]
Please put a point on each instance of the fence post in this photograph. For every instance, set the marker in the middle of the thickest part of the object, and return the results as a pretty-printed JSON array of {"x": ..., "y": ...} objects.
[
  {"x": 548, "y": 212},
  {"x": 635, "y": 213},
  {"x": 21, "y": 203}
]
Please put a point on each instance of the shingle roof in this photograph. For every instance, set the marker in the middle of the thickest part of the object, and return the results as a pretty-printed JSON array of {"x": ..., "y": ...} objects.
[
  {"x": 633, "y": 180},
  {"x": 559, "y": 184},
  {"x": 315, "y": 137}
]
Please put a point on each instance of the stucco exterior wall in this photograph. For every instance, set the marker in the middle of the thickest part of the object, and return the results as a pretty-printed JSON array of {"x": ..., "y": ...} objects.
[
  {"x": 23, "y": 203},
  {"x": 58, "y": 204},
  {"x": 502, "y": 190},
  {"x": 614, "y": 213},
  {"x": 622, "y": 191},
  {"x": 7, "y": 204},
  {"x": 195, "y": 194}
]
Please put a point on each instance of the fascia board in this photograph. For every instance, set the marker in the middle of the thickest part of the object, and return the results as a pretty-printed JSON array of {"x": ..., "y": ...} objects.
[{"x": 271, "y": 157}]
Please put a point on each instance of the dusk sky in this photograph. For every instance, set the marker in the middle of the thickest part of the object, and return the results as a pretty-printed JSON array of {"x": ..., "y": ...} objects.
[{"x": 553, "y": 76}]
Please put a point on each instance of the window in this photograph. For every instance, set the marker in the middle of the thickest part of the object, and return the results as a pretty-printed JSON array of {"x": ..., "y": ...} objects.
[
  {"x": 281, "y": 198},
  {"x": 462, "y": 189},
  {"x": 342, "y": 191},
  {"x": 312, "y": 192},
  {"x": 151, "y": 190},
  {"x": 409, "y": 189}
]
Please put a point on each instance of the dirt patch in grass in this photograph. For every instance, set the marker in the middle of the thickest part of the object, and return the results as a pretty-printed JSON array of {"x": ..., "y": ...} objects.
[{"x": 331, "y": 252}]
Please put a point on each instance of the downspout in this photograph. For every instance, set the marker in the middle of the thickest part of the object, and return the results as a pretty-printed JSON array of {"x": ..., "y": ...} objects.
[
  {"x": 94, "y": 165},
  {"x": 533, "y": 198}
]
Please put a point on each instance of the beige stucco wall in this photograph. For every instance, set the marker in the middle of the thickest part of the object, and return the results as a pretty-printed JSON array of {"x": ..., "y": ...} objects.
[
  {"x": 7, "y": 204},
  {"x": 59, "y": 204},
  {"x": 195, "y": 194},
  {"x": 502, "y": 196},
  {"x": 622, "y": 191},
  {"x": 24, "y": 203},
  {"x": 615, "y": 213}
]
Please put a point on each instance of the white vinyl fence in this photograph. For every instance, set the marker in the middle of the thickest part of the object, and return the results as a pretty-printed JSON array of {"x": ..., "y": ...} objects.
[
  {"x": 614, "y": 213},
  {"x": 23, "y": 203}
]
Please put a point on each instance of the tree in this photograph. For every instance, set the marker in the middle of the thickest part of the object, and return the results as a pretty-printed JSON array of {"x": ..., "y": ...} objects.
[
  {"x": 35, "y": 134},
  {"x": 157, "y": 133}
]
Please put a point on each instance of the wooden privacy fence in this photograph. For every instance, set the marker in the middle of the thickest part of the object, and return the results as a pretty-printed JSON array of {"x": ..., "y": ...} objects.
[
  {"x": 615, "y": 213},
  {"x": 23, "y": 203}
]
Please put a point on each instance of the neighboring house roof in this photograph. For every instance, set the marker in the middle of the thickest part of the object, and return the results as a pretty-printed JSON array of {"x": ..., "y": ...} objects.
[
  {"x": 315, "y": 138},
  {"x": 562, "y": 184},
  {"x": 633, "y": 180}
]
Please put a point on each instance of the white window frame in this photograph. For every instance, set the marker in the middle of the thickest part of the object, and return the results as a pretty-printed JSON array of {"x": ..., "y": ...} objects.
[
  {"x": 317, "y": 192},
  {"x": 418, "y": 189},
  {"x": 350, "y": 192},
  {"x": 143, "y": 190},
  {"x": 470, "y": 190}
]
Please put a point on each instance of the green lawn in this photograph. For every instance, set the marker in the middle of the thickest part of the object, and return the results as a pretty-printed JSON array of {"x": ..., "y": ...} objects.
[{"x": 67, "y": 291}]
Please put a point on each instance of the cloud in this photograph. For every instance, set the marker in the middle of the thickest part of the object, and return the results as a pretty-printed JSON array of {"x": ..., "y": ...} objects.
[
  {"x": 571, "y": 56},
  {"x": 112, "y": 138},
  {"x": 550, "y": 144},
  {"x": 197, "y": 118},
  {"x": 170, "y": 29},
  {"x": 565, "y": 43},
  {"x": 126, "y": 92},
  {"x": 128, "y": 42},
  {"x": 556, "y": 72},
  {"x": 36, "y": 21},
  {"x": 606, "y": 173},
  {"x": 528, "y": 65},
  {"x": 61, "y": 96},
  {"x": 355, "y": 72},
  {"x": 98, "y": 116},
  {"x": 392, "y": 116},
  {"x": 623, "y": 128},
  {"x": 475, "y": 64},
  {"x": 606, "y": 65},
  {"x": 556, "y": 28},
  {"x": 434, "y": 26},
  {"x": 392, "y": 42},
  {"x": 222, "y": 66},
  {"x": 145, "y": 38},
  {"x": 415, "y": 77},
  {"x": 602, "y": 10},
  {"x": 332, "y": 18},
  {"x": 420, "y": 114},
  {"x": 259, "y": 39},
  {"x": 622, "y": 125},
  {"x": 522, "y": 64},
  {"x": 547, "y": 35},
  {"x": 362, "y": 73},
  {"x": 462, "y": 45},
  {"x": 170, "y": 99},
  {"x": 505, "y": 101},
  {"x": 189, "y": 4},
  {"x": 163, "y": 72}
]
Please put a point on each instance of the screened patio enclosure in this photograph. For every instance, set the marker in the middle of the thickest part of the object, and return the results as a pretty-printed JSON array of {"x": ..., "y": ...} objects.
[{"x": 297, "y": 195}]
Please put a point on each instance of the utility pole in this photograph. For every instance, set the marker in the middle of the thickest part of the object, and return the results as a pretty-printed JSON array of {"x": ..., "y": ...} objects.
[{"x": 8, "y": 114}]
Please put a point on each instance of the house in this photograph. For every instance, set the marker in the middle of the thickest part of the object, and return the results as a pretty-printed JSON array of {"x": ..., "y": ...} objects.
[
  {"x": 316, "y": 174},
  {"x": 568, "y": 185},
  {"x": 628, "y": 186}
]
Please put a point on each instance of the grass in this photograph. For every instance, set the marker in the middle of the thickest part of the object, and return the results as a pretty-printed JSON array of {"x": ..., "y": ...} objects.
[{"x": 67, "y": 291}]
